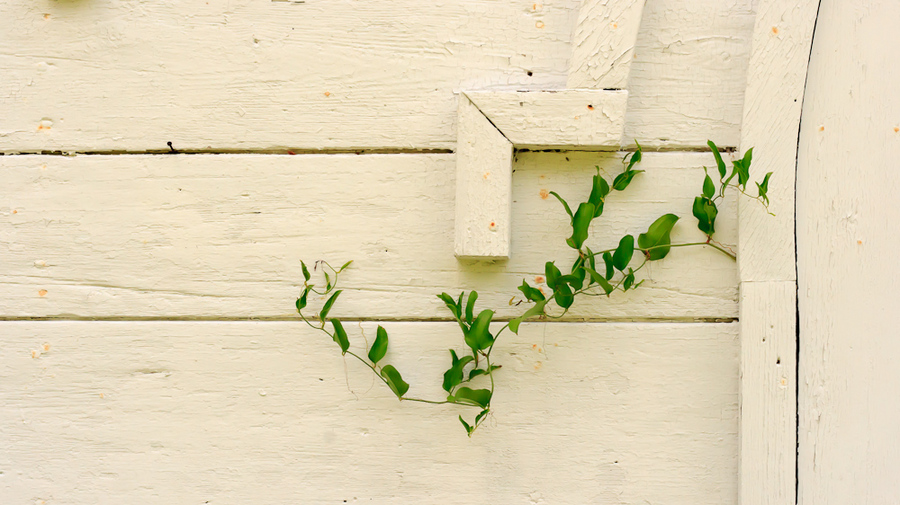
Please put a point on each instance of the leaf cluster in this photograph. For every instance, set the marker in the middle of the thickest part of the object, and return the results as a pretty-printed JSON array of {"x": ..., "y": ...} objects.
[{"x": 592, "y": 273}]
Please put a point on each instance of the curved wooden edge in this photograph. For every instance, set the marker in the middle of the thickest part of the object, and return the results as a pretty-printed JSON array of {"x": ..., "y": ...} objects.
[{"x": 773, "y": 100}]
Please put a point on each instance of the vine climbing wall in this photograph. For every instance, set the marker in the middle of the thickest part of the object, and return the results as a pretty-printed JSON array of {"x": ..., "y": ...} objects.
[{"x": 167, "y": 165}]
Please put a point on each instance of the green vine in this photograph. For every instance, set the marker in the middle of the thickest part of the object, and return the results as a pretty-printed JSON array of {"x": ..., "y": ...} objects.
[{"x": 593, "y": 273}]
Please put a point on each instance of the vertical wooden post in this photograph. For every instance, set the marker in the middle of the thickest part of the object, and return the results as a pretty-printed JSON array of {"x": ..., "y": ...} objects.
[{"x": 772, "y": 103}]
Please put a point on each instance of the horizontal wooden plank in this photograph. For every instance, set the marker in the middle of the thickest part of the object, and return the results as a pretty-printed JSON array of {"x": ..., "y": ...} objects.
[
  {"x": 569, "y": 119},
  {"x": 223, "y": 236},
  {"x": 264, "y": 412},
  {"x": 114, "y": 76}
]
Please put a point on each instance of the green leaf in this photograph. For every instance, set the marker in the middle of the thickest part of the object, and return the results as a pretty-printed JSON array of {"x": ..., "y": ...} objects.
[
  {"x": 580, "y": 224},
  {"x": 624, "y": 179},
  {"x": 709, "y": 189},
  {"x": 531, "y": 294},
  {"x": 657, "y": 237},
  {"x": 578, "y": 273},
  {"x": 394, "y": 380},
  {"x": 624, "y": 253},
  {"x": 552, "y": 273},
  {"x": 538, "y": 309},
  {"x": 480, "y": 397},
  {"x": 590, "y": 257},
  {"x": 470, "y": 306},
  {"x": 599, "y": 190},
  {"x": 450, "y": 303},
  {"x": 475, "y": 372},
  {"x": 571, "y": 280},
  {"x": 599, "y": 279},
  {"x": 610, "y": 268},
  {"x": 566, "y": 205},
  {"x": 345, "y": 265},
  {"x": 327, "y": 307},
  {"x": 719, "y": 163},
  {"x": 742, "y": 167},
  {"x": 629, "y": 280},
  {"x": 305, "y": 270},
  {"x": 454, "y": 375},
  {"x": 379, "y": 348},
  {"x": 636, "y": 156},
  {"x": 468, "y": 428},
  {"x": 479, "y": 337},
  {"x": 533, "y": 311},
  {"x": 340, "y": 336},
  {"x": 327, "y": 281},
  {"x": 301, "y": 302},
  {"x": 481, "y": 415},
  {"x": 563, "y": 296},
  {"x": 705, "y": 211},
  {"x": 763, "y": 188}
]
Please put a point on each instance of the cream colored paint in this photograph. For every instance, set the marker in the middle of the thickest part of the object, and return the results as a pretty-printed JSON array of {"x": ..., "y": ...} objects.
[
  {"x": 247, "y": 74},
  {"x": 847, "y": 242},
  {"x": 222, "y": 236},
  {"x": 492, "y": 125},
  {"x": 179, "y": 410},
  {"x": 188, "y": 412},
  {"x": 603, "y": 43},
  {"x": 775, "y": 89}
]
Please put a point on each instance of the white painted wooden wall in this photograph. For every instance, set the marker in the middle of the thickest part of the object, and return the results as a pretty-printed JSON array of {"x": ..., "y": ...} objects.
[
  {"x": 151, "y": 353},
  {"x": 847, "y": 242}
]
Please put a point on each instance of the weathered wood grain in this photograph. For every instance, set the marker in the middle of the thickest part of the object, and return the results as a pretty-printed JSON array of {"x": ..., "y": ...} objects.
[
  {"x": 768, "y": 393},
  {"x": 775, "y": 86},
  {"x": 245, "y": 74},
  {"x": 566, "y": 119},
  {"x": 104, "y": 412},
  {"x": 484, "y": 158},
  {"x": 223, "y": 236},
  {"x": 847, "y": 243},
  {"x": 603, "y": 43}
]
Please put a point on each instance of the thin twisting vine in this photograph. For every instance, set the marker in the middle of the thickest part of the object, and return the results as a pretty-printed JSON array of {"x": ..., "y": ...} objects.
[{"x": 593, "y": 273}]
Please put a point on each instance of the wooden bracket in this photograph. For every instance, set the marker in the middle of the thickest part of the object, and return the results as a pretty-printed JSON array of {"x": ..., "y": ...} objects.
[{"x": 588, "y": 116}]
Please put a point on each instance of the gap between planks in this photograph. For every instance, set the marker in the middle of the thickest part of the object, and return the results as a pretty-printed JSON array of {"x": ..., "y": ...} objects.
[
  {"x": 291, "y": 152},
  {"x": 666, "y": 320}
]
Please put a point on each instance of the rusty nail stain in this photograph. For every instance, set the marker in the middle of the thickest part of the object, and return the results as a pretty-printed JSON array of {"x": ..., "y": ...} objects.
[
  {"x": 590, "y": 107},
  {"x": 538, "y": 365},
  {"x": 101, "y": 395},
  {"x": 896, "y": 129},
  {"x": 46, "y": 16},
  {"x": 775, "y": 30},
  {"x": 544, "y": 194},
  {"x": 539, "y": 24},
  {"x": 15, "y": 212},
  {"x": 291, "y": 153},
  {"x": 327, "y": 93},
  {"x": 46, "y": 347},
  {"x": 542, "y": 291},
  {"x": 859, "y": 242},
  {"x": 534, "y": 346},
  {"x": 42, "y": 292},
  {"x": 577, "y": 118},
  {"x": 615, "y": 25},
  {"x": 821, "y": 128},
  {"x": 486, "y": 175},
  {"x": 540, "y": 349},
  {"x": 538, "y": 279},
  {"x": 34, "y": 354}
]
